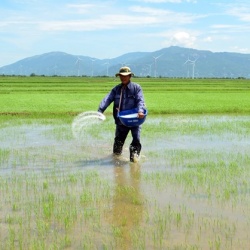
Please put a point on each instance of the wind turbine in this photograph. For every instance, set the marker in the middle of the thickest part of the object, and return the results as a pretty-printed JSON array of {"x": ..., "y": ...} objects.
[
  {"x": 124, "y": 64},
  {"x": 192, "y": 62},
  {"x": 78, "y": 65},
  {"x": 155, "y": 59},
  {"x": 92, "y": 59},
  {"x": 55, "y": 68},
  {"x": 150, "y": 69},
  {"x": 107, "y": 63}
]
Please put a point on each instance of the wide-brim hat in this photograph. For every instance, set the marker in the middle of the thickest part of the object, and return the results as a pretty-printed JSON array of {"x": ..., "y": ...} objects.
[{"x": 125, "y": 71}]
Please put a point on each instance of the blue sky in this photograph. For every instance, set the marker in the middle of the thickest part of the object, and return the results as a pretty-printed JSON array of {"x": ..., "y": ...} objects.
[{"x": 109, "y": 28}]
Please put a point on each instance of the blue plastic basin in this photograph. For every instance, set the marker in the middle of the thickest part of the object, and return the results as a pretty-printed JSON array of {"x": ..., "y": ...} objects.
[{"x": 129, "y": 117}]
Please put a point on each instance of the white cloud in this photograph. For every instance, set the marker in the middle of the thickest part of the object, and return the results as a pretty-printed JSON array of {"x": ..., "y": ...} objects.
[
  {"x": 144, "y": 16},
  {"x": 223, "y": 26},
  {"x": 177, "y": 38},
  {"x": 166, "y": 16},
  {"x": 25, "y": 1},
  {"x": 87, "y": 17},
  {"x": 240, "y": 50},
  {"x": 81, "y": 8},
  {"x": 208, "y": 39},
  {"x": 183, "y": 38},
  {"x": 150, "y": 11},
  {"x": 229, "y": 28},
  {"x": 242, "y": 12},
  {"x": 105, "y": 22}
]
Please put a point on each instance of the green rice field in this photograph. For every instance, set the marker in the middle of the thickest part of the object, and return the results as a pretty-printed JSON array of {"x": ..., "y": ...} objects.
[
  {"x": 61, "y": 95},
  {"x": 189, "y": 191}
]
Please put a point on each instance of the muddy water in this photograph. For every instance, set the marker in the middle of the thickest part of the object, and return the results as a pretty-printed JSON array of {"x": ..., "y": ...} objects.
[{"x": 190, "y": 188}]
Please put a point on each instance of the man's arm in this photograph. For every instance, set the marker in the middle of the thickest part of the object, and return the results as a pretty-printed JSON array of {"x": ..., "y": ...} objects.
[{"x": 106, "y": 101}]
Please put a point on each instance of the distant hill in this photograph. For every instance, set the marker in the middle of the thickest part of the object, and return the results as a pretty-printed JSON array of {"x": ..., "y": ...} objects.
[{"x": 168, "y": 62}]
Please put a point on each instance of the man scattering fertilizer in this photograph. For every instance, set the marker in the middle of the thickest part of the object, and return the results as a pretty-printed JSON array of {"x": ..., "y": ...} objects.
[{"x": 126, "y": 96}]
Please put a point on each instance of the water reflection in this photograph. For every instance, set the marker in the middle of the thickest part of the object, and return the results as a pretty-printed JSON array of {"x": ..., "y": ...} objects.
[{"x": 128, "y": 205}]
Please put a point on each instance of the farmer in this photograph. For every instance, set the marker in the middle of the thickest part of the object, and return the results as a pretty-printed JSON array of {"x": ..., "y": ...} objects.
[{"x": 126, "y": 95}]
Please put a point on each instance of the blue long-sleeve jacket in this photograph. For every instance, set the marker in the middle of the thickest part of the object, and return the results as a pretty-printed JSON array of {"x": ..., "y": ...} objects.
[{"x": 132, "y": 97}]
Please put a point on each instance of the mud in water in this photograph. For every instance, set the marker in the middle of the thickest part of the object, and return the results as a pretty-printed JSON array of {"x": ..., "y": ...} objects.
[{"x": 190, "y": 189}]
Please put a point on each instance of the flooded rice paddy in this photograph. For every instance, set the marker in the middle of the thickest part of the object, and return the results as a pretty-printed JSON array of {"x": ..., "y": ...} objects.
[{"x": 190, "y": 189}]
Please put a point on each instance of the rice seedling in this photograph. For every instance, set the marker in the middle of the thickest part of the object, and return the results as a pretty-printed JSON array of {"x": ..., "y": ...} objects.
[
  {"x": 70, "y": 200},
  {"x": 189, "y": 191}
]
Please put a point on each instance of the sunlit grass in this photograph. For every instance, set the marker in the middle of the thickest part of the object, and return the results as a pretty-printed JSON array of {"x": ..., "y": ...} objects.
[{"x": 66, "y": 96}]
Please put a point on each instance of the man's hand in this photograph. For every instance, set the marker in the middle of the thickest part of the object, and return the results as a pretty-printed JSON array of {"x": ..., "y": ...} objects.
[{"x": 140, "y": 115}]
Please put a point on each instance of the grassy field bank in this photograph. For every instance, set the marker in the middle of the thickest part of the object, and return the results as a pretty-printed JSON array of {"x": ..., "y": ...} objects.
[{"x": 70, "y": 95}]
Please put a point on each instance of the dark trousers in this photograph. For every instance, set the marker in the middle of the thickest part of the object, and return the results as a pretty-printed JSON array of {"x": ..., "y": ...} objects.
[{"x": 121, "y": 133}]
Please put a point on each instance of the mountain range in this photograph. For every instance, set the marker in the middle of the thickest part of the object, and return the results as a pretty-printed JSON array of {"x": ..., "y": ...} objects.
[{"x": 171, "y": 62}]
